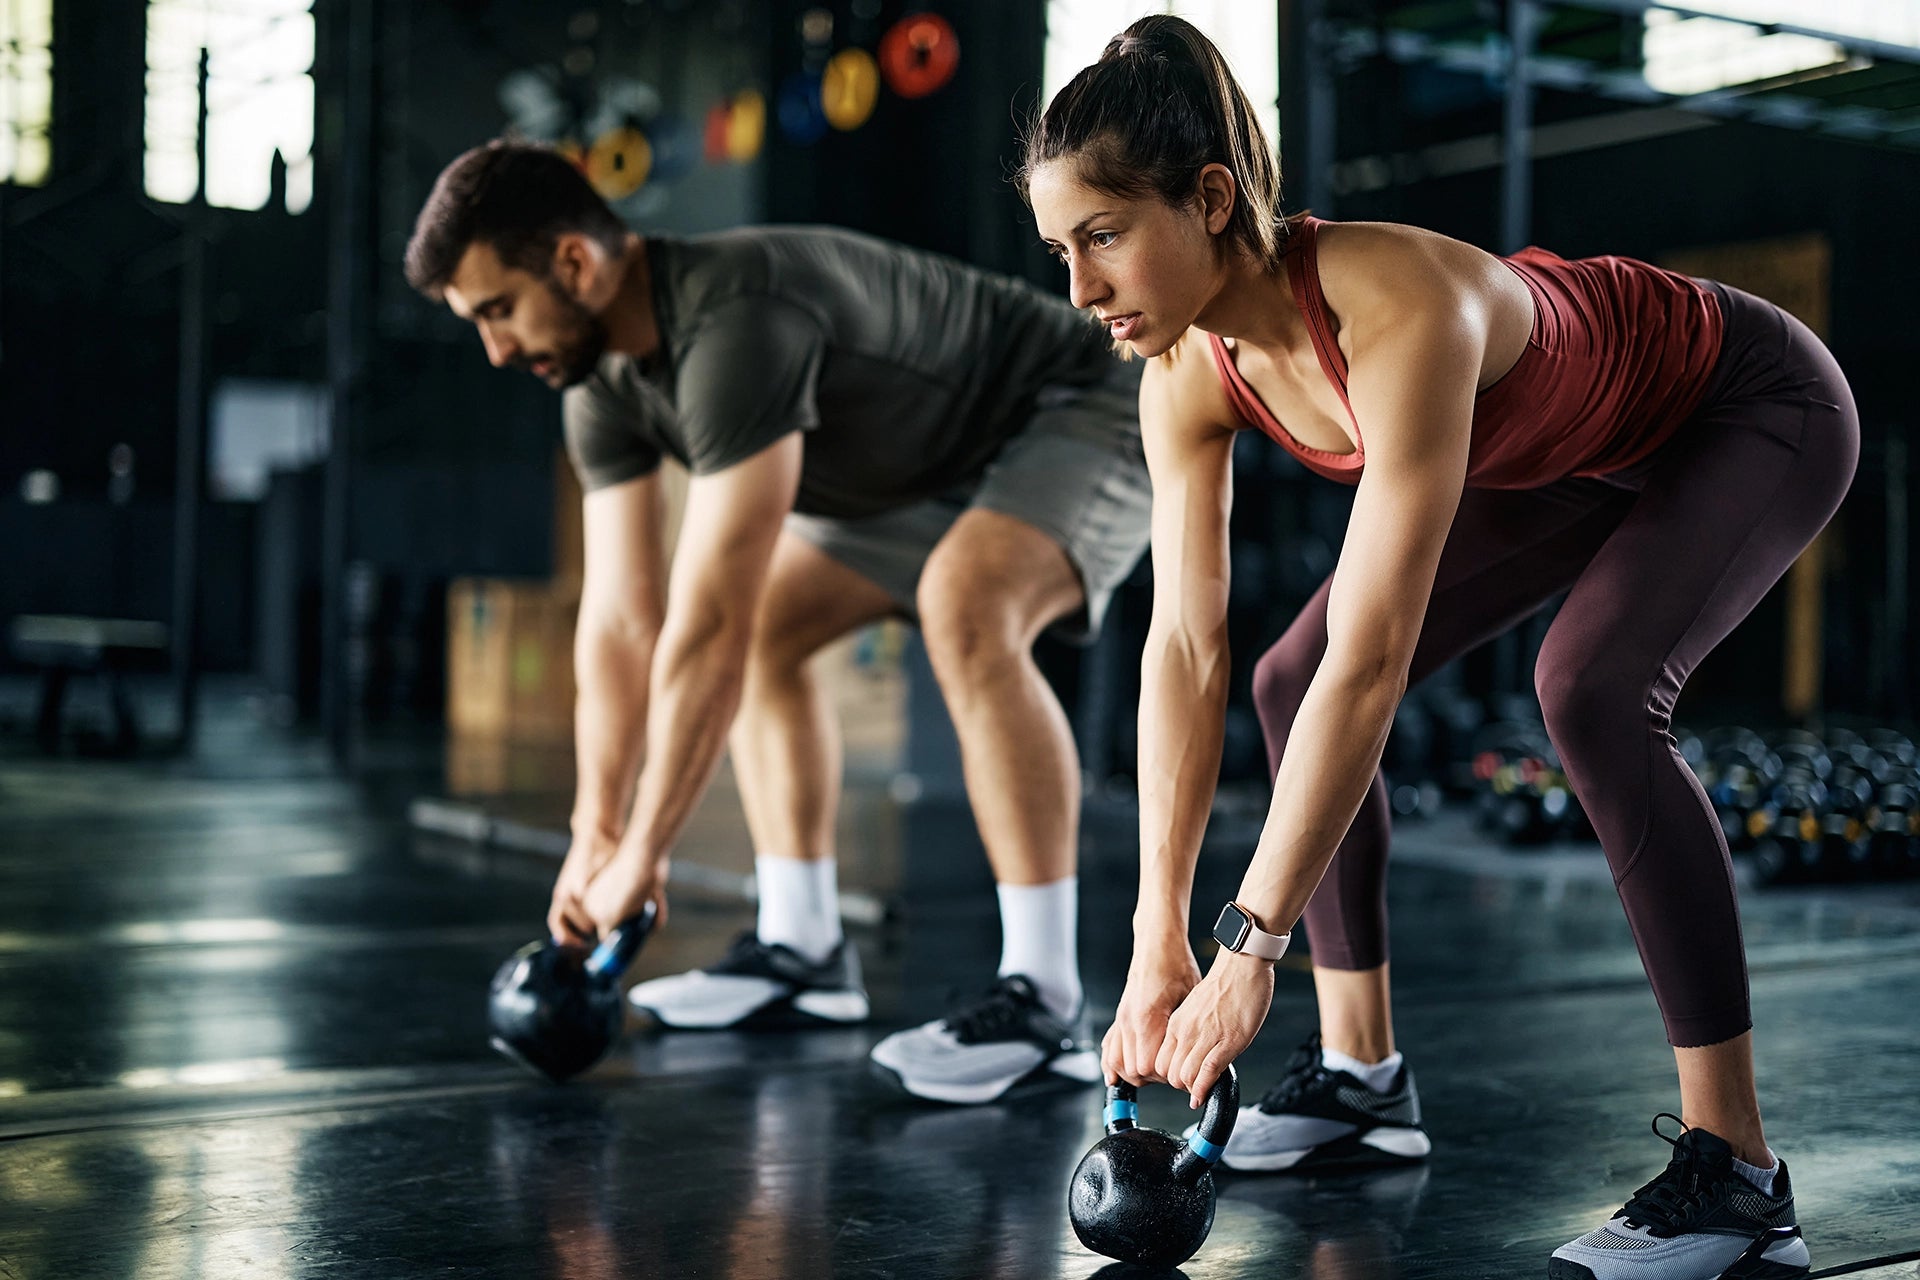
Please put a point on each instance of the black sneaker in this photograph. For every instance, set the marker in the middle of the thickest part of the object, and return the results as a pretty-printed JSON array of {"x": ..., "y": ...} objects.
[
  {"x": 1318, "y": 1119},
  {"x": 755, "y": 980},
  {"x": 1699, "y": 1220},
  {"x": 985, "y": 1049}
]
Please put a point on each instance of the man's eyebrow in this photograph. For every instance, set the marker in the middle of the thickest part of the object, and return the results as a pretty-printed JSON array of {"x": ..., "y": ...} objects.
[{"x": 480, "y": 308}]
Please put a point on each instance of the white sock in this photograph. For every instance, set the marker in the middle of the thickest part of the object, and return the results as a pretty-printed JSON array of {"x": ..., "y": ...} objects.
[
  {"x": 1760, "y": 1178},
  {"x": 1038, "y": 938},
  {"x": 799, "y": 904},
  {"x": 1377, "y": 1076}
]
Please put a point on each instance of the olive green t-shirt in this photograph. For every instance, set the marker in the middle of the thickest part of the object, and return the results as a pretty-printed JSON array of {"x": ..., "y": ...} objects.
[{"x": 906, "y": 369}]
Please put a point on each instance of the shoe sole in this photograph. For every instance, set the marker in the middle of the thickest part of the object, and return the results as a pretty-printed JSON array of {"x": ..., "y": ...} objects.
[
  {"x": 805, "y": 1009},
  {"x": 1071, "y": 1068},
  {"x": 1760, "y": 1268},
  {"x": 1565, "y": 1269},
  {"x": 1382, "y": 1148}
]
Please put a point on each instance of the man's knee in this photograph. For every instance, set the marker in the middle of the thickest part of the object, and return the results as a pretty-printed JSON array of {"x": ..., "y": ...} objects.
[{"x": 966, "y": 621}]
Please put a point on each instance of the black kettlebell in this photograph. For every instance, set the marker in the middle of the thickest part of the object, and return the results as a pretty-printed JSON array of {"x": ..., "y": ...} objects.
[
  {"x": 1144, "y": 1196},
  {"x": 555, "y": 1009}
]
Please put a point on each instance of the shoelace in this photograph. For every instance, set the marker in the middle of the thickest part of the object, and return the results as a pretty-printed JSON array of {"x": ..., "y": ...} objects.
[
  {"x": 1665, "y": 1205},
  {"x": 1000, "y": 1011},
  {"x": 1304, "y": 1073}
]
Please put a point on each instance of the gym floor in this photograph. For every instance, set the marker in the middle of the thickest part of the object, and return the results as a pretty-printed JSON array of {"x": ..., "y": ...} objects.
[{"x": 241, "y": 1034}]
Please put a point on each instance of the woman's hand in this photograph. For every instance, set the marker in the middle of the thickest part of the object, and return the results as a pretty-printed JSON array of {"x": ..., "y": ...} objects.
[
  {"x": 1215, "y": 1023},
  {"x": 1159, "y": 978}
]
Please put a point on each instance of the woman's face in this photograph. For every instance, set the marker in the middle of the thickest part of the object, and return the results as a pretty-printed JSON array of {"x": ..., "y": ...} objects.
[{"x": 1145, "y": 268}]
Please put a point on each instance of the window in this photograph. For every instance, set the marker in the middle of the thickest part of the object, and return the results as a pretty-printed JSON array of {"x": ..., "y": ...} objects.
[
  {"x": 1248, "y": 34},
  {"x": 1698, "y": 55},
  {"x": 259, "y": 99},
  {"x": 26, "y": 89}
]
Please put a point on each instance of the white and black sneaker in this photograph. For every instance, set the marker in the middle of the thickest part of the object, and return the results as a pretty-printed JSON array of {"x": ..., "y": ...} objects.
[
  {"x": 763, "y": 983},
  {"x": 1699, "y": 1220},
  {"x": 983, "y": 1050},
  {"x": 1318, "y": 1119}
]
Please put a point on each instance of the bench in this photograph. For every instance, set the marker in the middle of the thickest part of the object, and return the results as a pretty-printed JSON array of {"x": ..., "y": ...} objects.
[{"x": 62, "y": 647}]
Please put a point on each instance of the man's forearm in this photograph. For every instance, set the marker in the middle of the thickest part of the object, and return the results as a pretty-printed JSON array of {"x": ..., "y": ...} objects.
[
  {"x": 611, "y": 675},
  {"x": 1182, "y": 717},
  {"x": 697, "y": 678},
  {"x": 1332, "y": 754}
]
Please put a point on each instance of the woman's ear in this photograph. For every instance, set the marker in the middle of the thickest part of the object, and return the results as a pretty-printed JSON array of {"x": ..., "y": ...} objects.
[{"x": 1217, "y": 192}]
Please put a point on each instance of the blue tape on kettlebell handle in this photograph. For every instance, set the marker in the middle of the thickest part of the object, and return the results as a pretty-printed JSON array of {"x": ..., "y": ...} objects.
[
  {"x": 1208, "y": 1151},
  {"x": 1121, "y": 1110},
  {"x": 603, "y": 955}
]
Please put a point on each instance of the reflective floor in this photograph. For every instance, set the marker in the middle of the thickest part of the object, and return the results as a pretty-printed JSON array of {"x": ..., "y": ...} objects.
[{"x": 241, "y": 1035}]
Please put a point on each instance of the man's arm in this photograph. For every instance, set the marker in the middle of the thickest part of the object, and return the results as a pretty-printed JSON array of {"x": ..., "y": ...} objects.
[
  {"x": 726, "y": 542},
  {"x": 622, "y": 605},
  {"x": 622, "y": 602}
]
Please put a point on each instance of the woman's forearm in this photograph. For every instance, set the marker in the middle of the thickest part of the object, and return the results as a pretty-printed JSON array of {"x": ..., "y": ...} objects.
[
  {"x": 1183, "y": 693},
  {"x": 1332, "y": 754}
]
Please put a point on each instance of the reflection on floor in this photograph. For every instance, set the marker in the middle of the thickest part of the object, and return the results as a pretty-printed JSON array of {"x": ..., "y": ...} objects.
[{"x": 240, "y": 1035}]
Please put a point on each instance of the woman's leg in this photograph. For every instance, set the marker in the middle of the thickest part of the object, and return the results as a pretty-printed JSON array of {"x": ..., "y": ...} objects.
[
  {"x": 1507, "y": 555},
  {"x": 1726, "y": 508}
]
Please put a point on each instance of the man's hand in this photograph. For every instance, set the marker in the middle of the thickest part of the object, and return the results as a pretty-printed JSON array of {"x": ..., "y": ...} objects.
[
  {"x": 621, "y": 887},
  {"x": 567, "y": 919},
  {"x": 1159, "y": 978},
  {"x": 1215, "y": 1023}
]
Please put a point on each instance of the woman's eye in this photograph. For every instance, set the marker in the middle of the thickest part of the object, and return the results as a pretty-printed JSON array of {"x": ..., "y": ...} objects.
[{"x": 1102, "y": 239}]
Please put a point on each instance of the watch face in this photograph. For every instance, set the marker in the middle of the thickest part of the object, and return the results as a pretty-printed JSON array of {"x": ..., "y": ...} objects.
[{"x": 1230, "y": 930}]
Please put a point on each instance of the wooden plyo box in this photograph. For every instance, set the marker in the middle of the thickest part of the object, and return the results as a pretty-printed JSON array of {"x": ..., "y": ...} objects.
[{"x": 510, "y": 658}]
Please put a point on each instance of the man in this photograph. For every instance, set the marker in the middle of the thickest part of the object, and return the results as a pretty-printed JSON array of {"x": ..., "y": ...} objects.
[{"x": 871, "y": 431}]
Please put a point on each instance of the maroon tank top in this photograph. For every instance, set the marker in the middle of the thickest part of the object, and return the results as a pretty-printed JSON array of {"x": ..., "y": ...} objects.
[{"x": 1619, "y": 355}]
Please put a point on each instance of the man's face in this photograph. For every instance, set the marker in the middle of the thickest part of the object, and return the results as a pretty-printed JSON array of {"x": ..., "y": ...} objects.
[{"x": 525, "y": 320}]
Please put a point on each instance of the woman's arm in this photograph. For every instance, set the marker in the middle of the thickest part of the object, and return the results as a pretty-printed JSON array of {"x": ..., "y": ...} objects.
[
  {"x": 1184, "y": 672},
  {"x": 1416, "y": 356}
]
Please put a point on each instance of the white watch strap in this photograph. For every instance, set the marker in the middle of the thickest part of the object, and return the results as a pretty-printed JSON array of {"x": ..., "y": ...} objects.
[{"x": 1268, "y": 946}]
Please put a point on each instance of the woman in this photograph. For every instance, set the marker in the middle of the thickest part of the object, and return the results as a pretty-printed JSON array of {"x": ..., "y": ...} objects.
[{"x": 1657, "y": 447}]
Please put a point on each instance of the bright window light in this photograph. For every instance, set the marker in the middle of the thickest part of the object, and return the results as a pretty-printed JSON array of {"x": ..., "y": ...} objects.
[
  {"x": 259, "y": 99},
  {"x": 1698, "y": 55},
  {"x": 1248, "y": 34},
  {"x": 26, "y": 89}
]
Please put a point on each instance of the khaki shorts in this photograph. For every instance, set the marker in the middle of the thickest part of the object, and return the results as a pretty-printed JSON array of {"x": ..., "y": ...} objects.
[{"x": 1076, "y": 473}]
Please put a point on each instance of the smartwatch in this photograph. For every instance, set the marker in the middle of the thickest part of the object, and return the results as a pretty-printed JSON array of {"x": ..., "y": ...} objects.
[{"x": 1236, "y": 930}]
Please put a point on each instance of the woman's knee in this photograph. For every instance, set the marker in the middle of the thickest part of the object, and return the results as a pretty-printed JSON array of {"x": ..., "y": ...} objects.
[
  {"x": 1281, "y": 677},
  {"x": 1588, "y": 704}
]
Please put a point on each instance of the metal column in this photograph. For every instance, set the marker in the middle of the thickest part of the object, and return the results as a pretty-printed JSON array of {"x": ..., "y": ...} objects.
[
  {"x": 190, "y": 435},
  {"x": 1516, "y": 135},
  {"x": 348, "y": 317}
]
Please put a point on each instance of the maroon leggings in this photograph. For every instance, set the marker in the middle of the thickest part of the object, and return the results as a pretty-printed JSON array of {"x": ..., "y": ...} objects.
[{"x": 1660, "y": 563}]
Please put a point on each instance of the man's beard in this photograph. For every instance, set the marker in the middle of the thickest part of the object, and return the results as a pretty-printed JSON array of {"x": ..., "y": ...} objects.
[{"x": 580, "y": 341}]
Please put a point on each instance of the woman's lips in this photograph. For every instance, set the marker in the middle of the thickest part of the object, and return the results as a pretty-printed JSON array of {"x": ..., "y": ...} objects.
[{"x": 1123, "y": 327}]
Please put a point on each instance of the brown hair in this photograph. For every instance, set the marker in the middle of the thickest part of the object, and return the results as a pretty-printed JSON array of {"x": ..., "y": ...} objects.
[
  {"x": 1160, "y": 105},
  {"x": 519, "y": 199}
]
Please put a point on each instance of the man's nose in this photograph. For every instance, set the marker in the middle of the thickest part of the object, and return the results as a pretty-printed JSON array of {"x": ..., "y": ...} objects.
[{"x": 500, "y": 348}]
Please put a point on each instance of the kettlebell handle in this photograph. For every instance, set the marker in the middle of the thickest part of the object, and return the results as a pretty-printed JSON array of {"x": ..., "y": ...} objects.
[
  {"x": 617, "y": 950},
  {"x": 1209, "y": 1140}
]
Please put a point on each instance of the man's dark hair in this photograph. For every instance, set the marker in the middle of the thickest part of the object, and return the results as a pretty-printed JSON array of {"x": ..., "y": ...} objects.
[{"x": 517, "y": 198}]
